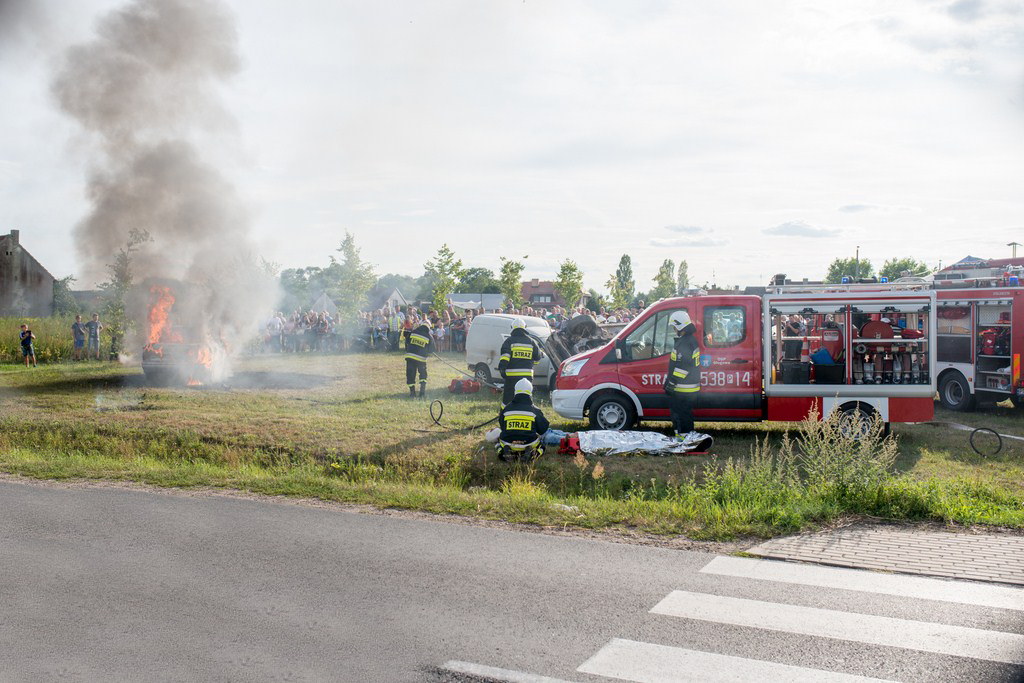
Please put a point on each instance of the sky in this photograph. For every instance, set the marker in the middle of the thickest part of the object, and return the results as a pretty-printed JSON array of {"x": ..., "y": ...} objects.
[{"x": 747, "y": 137}]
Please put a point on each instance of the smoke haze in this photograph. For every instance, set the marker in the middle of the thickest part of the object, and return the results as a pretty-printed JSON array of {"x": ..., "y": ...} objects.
[{"x": 144, "y": 91}]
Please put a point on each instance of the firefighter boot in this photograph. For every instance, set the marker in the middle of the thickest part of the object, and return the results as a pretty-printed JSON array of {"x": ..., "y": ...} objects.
[
  {"x": 423, "y": 389},
  {"x": 412, "y": 391}
]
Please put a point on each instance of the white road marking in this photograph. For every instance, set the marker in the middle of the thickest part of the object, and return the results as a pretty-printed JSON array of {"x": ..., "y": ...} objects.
[
  {"x": 958, "y": 641},
  {"x": 497, "y": 674},
  {"x": 967, "y": 593},
  {"x": 629, "y": 660}
]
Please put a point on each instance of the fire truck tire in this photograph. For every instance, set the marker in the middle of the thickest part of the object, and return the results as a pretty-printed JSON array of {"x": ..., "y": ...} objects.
[
  {"x": 856, "y": 420},
  {"x": 612, "y": 411},
  {"x": 955, "y": 393}
]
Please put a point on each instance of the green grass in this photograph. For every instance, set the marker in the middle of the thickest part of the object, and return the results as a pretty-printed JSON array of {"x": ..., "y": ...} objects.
[
  {"x": 52, "y": 343},
  {"x": 340, "y": 428}
]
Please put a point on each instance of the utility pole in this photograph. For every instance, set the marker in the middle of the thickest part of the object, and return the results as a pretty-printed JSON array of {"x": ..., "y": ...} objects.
[
  {"x": 856, "y": 265},
  {"x": 1014, "y": 245}
]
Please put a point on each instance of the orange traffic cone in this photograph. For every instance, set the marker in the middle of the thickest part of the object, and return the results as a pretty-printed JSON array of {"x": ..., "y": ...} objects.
[{"x": 805, "y": 352}]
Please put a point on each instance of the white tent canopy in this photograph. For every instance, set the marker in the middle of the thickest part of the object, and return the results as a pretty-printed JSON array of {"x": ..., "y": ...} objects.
[{"x": 324, "y": 303}]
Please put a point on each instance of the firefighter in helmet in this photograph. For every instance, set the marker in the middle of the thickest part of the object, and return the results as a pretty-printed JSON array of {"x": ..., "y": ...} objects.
[
  {"x": 418, "y": 345},
  {"x": 519, "y": 354},
  {"x": 682, "y": 384},
  {"x": 522, "y": 426}
]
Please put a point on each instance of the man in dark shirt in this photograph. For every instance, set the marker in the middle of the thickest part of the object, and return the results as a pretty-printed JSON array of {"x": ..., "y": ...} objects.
[
  {"x": 78, "y": 337},
  {"x": 27, "y": 348}
]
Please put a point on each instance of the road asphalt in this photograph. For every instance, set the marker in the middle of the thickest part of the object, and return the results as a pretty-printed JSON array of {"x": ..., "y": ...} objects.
[{"x": 110, "y": 584}]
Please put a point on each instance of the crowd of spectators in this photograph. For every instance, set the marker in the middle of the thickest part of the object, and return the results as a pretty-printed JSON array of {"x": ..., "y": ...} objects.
[{"x": 385, "y": 328}]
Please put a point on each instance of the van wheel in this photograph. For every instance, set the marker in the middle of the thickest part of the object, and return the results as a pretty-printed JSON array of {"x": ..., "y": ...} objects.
[
  {"x": 955, "y": 394},
  {"x": 614, "y": 412},
  {"x": 482, "y": 373}
]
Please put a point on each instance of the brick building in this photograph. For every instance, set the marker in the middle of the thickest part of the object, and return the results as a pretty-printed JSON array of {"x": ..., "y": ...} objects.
[
  {"x": 541, "y": 294},
  {"x": 26, "y": 288}
]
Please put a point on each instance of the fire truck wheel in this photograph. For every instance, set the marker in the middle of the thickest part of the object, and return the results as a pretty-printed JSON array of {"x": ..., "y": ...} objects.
[
  {"x": 954, "y": 393},
  {"x": 856, "y": 421},
  {"x": 612, "y": 411}
]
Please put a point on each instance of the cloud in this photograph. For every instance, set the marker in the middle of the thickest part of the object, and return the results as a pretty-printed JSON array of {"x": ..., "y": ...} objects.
[
  {"x": 878, "y": 208},
  {"x": 966, "y": 10},
  {"x": 686, "y": 229},
  {"x": 800, "y": 229},
  {"x": 683, "y": 242}
]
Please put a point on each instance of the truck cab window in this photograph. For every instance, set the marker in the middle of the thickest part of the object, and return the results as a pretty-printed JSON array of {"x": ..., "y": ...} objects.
[{"x": 651, "y": 339}]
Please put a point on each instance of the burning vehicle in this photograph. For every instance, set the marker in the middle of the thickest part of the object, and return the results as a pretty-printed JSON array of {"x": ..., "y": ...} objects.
[{"x": 177, "y": 350}]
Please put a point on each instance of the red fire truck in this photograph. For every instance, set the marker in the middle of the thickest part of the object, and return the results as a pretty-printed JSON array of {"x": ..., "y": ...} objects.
[{"x": 755, "y": 366}]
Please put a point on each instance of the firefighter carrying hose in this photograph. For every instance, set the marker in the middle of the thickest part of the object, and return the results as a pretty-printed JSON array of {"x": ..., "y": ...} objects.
[
  {"x": 682, "y": 384},
  {"x": 522, "y": 425},
  {"x": 418, "y": 345},
  {"x": 519, "y": 354}
]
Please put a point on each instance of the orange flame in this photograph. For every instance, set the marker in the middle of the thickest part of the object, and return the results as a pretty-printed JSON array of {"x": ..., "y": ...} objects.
[
  {"x": 160, "y": 329},
  {"x": 193, "y": 382},
  {"x": 204, "y": 357}
]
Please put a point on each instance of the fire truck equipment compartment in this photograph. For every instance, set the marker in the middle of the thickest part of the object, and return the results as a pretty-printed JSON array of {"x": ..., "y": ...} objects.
[{"x": 796, "y": 372}]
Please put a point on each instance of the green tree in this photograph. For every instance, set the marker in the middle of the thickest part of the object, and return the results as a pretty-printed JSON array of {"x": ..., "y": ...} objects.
[
  {"x": 479, "y": 280},
  {"x": 682, "y": 277},
  {"x": 569, "y": 283},
  {"x": 511, "y": 281},
  {"x": 348, "y": 281},
  {"x": 595, "y": 302},
  {"x": 625, "y": 285},
  {"x": 63, "y": 300},
  {"x": 445, "y": 270},
  {"x": 841, "y": 267},
  {"x": 664, "y": 281},
  {"x": 895, "y": 267},
  {"x": 116, "y": 289}
]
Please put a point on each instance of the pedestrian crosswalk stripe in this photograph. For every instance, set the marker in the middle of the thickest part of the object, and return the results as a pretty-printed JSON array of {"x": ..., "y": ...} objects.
[
  {"x": 492, "y": 673},
  {"x": 629, "y": 660},
  {"x": 869, "y": 582},
  {"x": 959, "y": 641}
]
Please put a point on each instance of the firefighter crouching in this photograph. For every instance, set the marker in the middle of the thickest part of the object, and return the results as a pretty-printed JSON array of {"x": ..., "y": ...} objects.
[
  {"x": 519, "y": 354},
  {"x": 418, "y": 345},
  {"x": 682, "y": 384},
  {"x": 522, "y": 425}
]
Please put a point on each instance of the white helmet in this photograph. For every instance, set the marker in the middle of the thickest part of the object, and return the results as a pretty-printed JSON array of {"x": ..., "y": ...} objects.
[
  {"x": 524, "y": 386},
  {"x": 518, "y": 324},
  {"x": 679, "y": 320}
]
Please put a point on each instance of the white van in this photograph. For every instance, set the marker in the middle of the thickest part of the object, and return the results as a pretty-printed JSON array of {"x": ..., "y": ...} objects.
[{"x": 483, "y": 346}]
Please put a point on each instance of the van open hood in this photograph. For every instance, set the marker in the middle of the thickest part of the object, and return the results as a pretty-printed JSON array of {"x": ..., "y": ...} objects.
[{"x": 581, "y": 335}]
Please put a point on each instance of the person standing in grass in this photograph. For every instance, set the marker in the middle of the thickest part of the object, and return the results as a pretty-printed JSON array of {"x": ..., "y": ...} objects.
[
  {"x": 93, "y": 327},
  {"x": 28, "y": 350},
  {"x": 78, "y": 332}
]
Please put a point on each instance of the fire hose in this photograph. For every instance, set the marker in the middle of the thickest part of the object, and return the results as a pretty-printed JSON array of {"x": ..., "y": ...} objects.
[
  {"x": 439, "y": 413},
  {"x": 975, "y": 433}
]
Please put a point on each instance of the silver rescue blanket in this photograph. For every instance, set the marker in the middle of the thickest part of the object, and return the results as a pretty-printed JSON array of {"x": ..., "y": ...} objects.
[{"x": 604, "y": 442}]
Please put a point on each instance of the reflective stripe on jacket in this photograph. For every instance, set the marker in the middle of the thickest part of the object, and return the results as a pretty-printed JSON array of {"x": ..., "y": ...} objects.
[
  {"x": 519, "y": 354},
  {"x": 684, "y": 363},
  {"x": 419, "y": 345}
]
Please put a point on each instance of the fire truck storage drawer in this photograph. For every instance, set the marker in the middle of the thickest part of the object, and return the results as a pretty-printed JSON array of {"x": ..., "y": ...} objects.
[
  {"x": 796, "y": 372},
  {"x": 829, "y": 374}
]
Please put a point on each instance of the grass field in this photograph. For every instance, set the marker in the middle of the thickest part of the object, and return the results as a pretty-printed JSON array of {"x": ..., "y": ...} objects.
[{"x": 341, "y": 428}]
